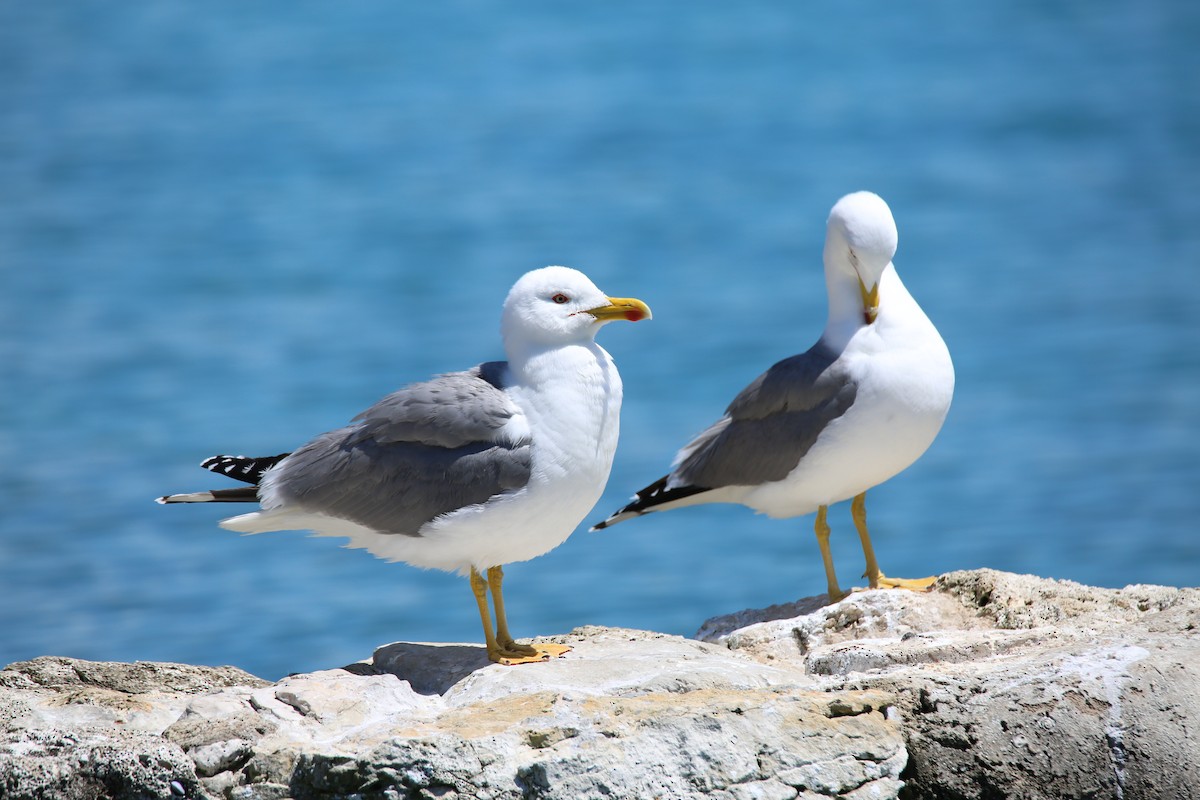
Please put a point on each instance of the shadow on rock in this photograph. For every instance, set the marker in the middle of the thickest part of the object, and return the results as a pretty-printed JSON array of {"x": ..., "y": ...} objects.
[{"x": 429, "y": 668}]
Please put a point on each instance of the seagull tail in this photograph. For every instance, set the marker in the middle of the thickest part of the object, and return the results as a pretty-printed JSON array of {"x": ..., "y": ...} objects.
[{"x": 655, "y": 497}]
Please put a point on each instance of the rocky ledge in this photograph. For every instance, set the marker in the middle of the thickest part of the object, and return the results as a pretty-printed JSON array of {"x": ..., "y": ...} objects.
[{"x": 990, "y": 686}]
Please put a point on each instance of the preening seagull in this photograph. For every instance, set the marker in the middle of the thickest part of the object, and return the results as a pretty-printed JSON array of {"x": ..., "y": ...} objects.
[
  {"x": 858, "y": 407},
  {"x": 470, "y": 470}
]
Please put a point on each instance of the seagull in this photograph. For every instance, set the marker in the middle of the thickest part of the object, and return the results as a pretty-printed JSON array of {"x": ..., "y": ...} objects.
[
  {"x": 824, "y": 426},
  {"x": 469, "y": 470}
]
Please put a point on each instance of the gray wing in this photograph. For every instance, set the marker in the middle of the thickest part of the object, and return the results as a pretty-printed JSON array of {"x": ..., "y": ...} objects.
[
  {"x": 769, "y": 427},
  {"x": 426, "y": 450}
]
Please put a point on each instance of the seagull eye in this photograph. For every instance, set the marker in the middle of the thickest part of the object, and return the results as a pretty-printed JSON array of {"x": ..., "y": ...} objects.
[{"x": 560, "y": 298}]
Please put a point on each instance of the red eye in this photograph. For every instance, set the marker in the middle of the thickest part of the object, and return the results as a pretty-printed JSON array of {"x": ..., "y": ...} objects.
[{"x": 560, "y": 298}]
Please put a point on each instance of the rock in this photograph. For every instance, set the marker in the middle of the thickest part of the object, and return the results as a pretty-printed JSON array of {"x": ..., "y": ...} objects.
[
  {"x": 128, "y": 679},
  {"x": 1011, "y": 686},
  {"x": 624, "y": 714},
  {"x": 84, "y": 729},
  {"x": 88, "y": 763},
  {"x": 991, "y": 685}
]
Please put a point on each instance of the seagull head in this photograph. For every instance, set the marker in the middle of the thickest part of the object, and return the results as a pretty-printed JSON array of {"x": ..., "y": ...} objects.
[
  {"x": 554, "y": 306},
  {"x": 860, "y": 241}
]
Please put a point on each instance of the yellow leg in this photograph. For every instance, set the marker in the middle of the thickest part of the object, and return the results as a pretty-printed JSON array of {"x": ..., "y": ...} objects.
[
  {"x": 875, "y": 577},
  {"x": 479, "y": 589},
  {"x": 500, "y": 645},
  {"x": 495, "y": 577},
  {"x": 822, "y": 530},
  {"x": 858, "y": 510}
]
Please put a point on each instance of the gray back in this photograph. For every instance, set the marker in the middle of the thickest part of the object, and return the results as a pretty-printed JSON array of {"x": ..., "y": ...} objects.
[{"x": 428, "y": 449}]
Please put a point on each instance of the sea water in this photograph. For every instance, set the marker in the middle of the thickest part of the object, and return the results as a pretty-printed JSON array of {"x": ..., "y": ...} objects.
[{"x": 226, "y": 230}]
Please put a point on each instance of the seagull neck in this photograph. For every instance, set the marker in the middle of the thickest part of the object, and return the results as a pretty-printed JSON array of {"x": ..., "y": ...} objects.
[
  {"x": 897, "y": 308},
  {"x": 846, "y": 313},
  {"x": 537, "y": 365}
]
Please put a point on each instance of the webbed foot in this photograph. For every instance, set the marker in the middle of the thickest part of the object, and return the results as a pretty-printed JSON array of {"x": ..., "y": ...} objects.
[{"x": 511, "y": 653}]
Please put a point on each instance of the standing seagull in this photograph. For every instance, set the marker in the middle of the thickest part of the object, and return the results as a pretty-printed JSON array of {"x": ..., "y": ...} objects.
[
  {"x": 858, "y": 407},
  {"x": 470, "y": 470}
]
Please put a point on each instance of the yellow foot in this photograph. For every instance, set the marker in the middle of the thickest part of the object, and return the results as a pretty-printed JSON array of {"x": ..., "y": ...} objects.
[
  {"x": 836, "y": 595},
  {"x": 911, "y": 584},
  {"x": 511, "y": 654}
]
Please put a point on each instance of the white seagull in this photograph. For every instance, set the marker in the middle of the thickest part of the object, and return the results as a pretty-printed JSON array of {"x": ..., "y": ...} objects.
[
  {"x": 469, "y": 470},
  {"x": 858, "y": 407}
]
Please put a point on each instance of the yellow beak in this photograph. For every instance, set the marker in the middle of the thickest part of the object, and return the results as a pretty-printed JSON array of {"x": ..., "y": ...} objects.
[
  {"x": 629, "y": 308},
  {"x": 870, "y": 299}
]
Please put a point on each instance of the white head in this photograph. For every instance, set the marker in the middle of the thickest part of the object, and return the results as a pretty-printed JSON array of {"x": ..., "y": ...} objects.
[
  {"x": 554, "y": 306},
  {"x": 860, "y": 241}
]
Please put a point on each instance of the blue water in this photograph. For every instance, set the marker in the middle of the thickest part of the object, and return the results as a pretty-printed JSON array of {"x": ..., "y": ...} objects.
[{"x": 227, "y": 229}]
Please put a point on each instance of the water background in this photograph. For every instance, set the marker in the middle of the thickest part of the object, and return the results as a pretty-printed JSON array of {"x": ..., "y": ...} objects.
[{"x": 228, "y": 229}]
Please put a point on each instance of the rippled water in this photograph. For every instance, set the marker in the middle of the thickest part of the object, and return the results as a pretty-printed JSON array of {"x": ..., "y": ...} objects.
[{"x": 230, "y": 230}]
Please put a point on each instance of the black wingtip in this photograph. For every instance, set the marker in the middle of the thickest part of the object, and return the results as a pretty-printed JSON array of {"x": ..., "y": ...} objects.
[
  {"x": 242, "y": 494},
  {"x": 241, "y": 468},
  {"x": 649, "y": 499},
  {"x": 620, "y": 515}
]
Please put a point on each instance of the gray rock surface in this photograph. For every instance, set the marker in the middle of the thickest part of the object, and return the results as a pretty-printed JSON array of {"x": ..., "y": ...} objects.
[
  {"x": 79, "y": 729},
  {"x": 624, "y": 714},
  {"x": 991, "y": 686},
  {"x": 1011, "y": 685}
]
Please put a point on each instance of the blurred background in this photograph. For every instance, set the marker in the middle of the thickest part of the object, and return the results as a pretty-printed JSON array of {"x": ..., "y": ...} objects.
[{"x": 226, "y": 230}]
